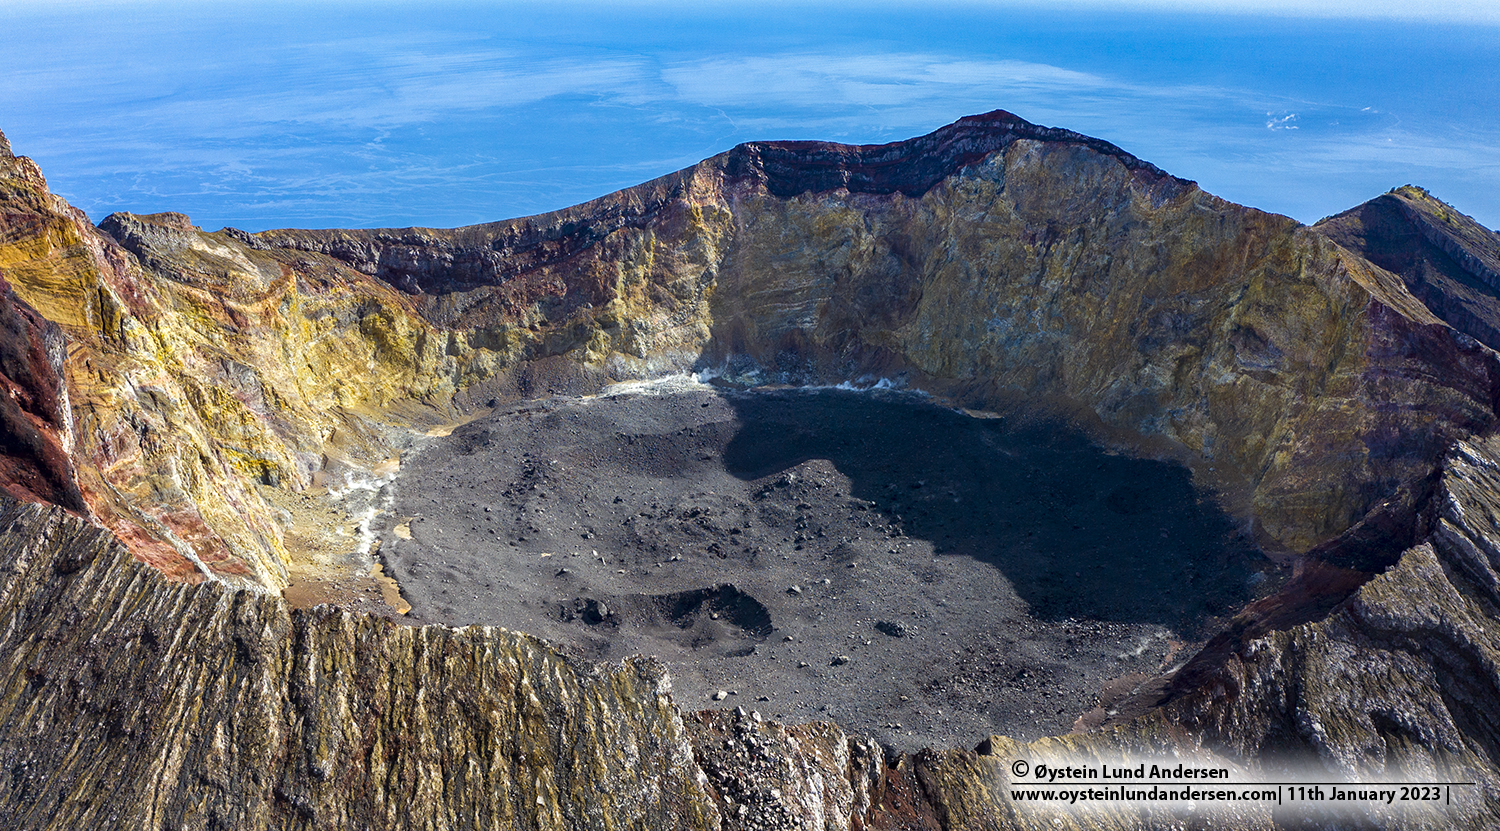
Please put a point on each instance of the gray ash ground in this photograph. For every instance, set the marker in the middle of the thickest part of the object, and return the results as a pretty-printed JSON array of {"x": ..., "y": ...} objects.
[{"x": 914, "y": 573}]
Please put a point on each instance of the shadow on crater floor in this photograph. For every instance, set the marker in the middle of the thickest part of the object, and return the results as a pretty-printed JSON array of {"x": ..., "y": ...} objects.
[
  {"x": 1078, "y": 531},
  {"x": 918, "y": 575}
]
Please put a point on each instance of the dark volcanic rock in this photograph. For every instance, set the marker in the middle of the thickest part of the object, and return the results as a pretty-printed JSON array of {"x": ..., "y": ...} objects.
[
  {"x": 1449, "y": 261},
  {"x": 437, "y": 261},
  {"x": 834, "y": 511},
  {"x": 299, "y": 720},
  {"x": 911, "y": 167},
  {"x": 127, "y": 701},
  {"x": 231, "y": 394}
]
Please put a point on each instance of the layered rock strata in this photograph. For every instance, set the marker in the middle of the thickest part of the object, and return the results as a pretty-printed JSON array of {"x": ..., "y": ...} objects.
[
  {"x": 132, "y": 702},
  {"x": 180, "y": 388},
  {"x": 201, "y": 374},
  {"x": 1400, "y": 680},
  {"x": 1041, "y": 265},
  {"x": 1449, "y": 261},
  {"x": 1303, "y": 383}
]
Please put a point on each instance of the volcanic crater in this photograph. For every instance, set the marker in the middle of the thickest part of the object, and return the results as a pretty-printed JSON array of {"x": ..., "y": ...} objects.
[
  {"x": 224, "y": 412},
  {"x": 923, "y": 574}
]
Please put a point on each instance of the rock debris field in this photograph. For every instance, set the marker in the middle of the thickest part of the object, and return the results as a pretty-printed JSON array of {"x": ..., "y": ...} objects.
[{"x": 915, "y": 573}]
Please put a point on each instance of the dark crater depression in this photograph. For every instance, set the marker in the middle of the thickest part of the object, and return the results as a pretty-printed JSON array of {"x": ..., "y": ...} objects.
[{"x": 917, "y": 574}]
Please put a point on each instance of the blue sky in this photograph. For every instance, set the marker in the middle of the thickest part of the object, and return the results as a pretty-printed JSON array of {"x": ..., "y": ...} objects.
[{"x": 386, "y": 114}]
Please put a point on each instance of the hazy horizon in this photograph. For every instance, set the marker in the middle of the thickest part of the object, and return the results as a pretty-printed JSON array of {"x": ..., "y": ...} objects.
[{"x": 394, "y": 114}]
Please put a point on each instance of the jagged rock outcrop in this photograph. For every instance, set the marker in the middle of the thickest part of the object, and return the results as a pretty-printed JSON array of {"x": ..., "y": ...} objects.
[
  {"x": 199, "y": 371},
  {"x": 132, "y": 702},
  {"x": 1449, "y": 261},
  {"x": 1041, "y": 264},
  {"x": 1402, "y": 679},
  {"x": 193, "y": 393},
  {"x": 127, "y": 701}
]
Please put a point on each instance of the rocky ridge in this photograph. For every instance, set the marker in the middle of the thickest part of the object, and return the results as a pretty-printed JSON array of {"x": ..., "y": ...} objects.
[
  {"x": 1342, "y": 407},
  {"x": 1167, "y": 317},
  {"x": 327, "y": 719},
  {"x": 1447, "y": 260}
]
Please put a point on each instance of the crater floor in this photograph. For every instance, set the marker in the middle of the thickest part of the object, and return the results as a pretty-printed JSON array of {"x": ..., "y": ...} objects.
[{"x": 921, "y": 575}]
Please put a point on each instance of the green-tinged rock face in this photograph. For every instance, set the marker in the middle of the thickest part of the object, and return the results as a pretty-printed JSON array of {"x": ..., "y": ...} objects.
[
  {"x": 1266, "y": 356},
  {"x": 1296, "y": 379},
  {"x": 210, "y": 405}
]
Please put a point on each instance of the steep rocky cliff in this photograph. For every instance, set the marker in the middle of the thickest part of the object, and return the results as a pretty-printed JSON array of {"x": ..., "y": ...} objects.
[
  {"x": 1301, "y": 382},
  {"x": 1039, "y": 263},
  {"x": 1449, "y": 261},
  {"x": 129, "y": 701},
  {"x": 193, "y": 382},
  {"x": 203, "y": 404}
]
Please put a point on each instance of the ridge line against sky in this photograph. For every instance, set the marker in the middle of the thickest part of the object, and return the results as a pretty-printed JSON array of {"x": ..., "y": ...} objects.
[{"x": 391, "y": 114}]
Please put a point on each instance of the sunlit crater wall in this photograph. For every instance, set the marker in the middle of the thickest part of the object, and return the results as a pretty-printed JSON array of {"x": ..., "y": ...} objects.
[{"x": 991, "y": 258}]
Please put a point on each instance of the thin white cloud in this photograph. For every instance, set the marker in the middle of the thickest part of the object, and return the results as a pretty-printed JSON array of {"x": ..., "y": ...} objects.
[
  {"x": 870, "y": 80},
  {"x": 404, "y": 91},
  {"x": 1432, "y": 11},
  {"x": 320, "y": 131},
  {"x": 1281, "y": 122},
  {"x": 1435, "y": 11}
]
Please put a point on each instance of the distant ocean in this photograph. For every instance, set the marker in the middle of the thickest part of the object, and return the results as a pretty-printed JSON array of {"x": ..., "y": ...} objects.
[{"x": 393, "y": 114}]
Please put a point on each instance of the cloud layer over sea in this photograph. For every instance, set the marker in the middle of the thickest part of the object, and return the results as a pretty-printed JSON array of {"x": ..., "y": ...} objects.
[{"x": 400, "y": 114}]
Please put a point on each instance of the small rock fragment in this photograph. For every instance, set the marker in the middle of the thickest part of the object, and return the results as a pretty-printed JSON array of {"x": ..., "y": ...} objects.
[
  {"x": 794, "y": 590},
  {"x": 720, "y": 695},
  {"x": 839, "y": 661}
]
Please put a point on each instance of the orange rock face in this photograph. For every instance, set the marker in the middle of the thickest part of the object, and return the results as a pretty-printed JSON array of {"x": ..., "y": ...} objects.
[
  {"x": 992, "y": 261},
  {"x": 210, "y": 398}
]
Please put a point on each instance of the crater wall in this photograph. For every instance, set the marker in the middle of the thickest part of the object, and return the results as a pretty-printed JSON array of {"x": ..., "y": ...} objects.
[
  {"x": 199, "y": 379},
  {"x": 1303, "y": 382}
]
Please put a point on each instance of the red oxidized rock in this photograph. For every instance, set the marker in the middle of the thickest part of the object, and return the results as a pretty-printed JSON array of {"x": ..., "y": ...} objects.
[{"x": 34, "y": 463}]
